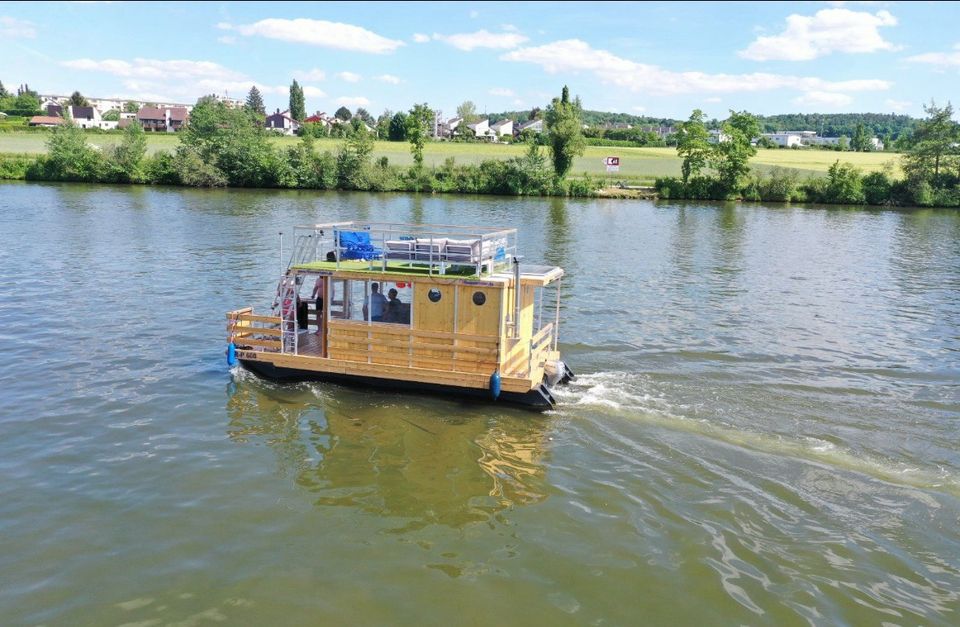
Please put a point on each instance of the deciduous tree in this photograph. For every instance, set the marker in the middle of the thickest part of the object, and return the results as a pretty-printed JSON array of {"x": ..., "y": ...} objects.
[
  {"x": 693, "y": 145},
  {"x": 468, "y": 111},
  {"x": 418, "y": 130},
  {"x": 933, "y": 143},
  {"x": 731, "y": 157},
  {"x": 564, "y": 132},
  {"x": 343, "y": 114}
]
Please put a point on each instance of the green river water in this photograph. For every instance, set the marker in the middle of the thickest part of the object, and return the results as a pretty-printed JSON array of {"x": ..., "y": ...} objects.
[{"x": 764, "y": 429}]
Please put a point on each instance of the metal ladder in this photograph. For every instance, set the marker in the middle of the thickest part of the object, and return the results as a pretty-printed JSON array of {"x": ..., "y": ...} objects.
[{"x": 287, "y": 300}]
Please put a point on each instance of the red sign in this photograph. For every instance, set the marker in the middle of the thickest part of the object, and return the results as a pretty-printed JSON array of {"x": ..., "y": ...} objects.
[{"x": 612, "y": 161}]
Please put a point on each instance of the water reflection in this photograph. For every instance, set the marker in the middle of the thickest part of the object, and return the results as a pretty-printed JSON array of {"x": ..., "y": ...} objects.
[{"x": 391, "y": 455}]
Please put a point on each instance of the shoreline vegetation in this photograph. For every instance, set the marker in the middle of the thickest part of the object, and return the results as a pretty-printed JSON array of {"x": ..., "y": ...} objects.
[{"x": 224, "y": 147}]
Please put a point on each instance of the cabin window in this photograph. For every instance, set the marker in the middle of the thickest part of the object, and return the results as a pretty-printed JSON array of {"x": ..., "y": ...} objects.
[
  {"x": 479, "y": 298},
  {"x": 370, "y": 301},
  {"x": 434, "y": 295}
]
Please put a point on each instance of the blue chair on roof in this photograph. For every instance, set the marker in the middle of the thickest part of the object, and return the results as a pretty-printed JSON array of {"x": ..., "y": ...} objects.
[{"x": 356, "y": 245}]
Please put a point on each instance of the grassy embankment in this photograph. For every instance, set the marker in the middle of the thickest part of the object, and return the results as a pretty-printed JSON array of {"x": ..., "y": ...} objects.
[{"x": 638, "y": 166}]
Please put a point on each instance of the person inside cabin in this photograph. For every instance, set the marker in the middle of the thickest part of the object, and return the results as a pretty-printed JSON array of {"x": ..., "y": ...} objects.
[
  {"x": 393, "y": 312},
  {"x": 374, "y": 305},
  {"x": 318, "y": 295}
]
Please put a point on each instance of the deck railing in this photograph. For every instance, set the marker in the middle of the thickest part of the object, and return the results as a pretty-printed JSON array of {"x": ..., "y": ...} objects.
[{"x": 248, "y": 330}]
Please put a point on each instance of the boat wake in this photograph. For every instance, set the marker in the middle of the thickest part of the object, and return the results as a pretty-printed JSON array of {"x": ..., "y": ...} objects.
[{"x": 633, "y": 397}]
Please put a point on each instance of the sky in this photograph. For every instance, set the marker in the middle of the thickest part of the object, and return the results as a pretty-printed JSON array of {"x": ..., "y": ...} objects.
[{"x": 656, "y": 59}]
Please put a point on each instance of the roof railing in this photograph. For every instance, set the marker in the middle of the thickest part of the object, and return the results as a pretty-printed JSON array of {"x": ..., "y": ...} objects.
[{"x": 394, "y": 245}]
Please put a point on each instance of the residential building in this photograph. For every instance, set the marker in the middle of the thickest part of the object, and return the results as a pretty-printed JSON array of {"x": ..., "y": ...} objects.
[
  {"x": 533, "y": 125},
  {"x": 84, "y": 117},
  {"x": 785, "y": 139},
  {"x": 282, "y": 122},
  {"x": 503, "y": 128},
  {"x": 320, "y": 117},
  {"x": 482, "y": 130},
  {"x": 46, "y": 120},
  {"x": 167, "y": 119}
]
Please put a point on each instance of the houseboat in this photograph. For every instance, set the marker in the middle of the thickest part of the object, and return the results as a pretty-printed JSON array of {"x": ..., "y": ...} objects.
[{"x": 441, "y": 309}]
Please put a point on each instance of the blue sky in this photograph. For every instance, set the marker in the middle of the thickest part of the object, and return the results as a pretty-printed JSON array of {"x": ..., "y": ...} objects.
[{"x": 659, "y": 59}]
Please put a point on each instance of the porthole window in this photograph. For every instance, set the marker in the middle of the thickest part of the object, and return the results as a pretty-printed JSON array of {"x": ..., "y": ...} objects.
[
  {"x": 434, "y": 295},
  {"x": 479, "y": 298}
]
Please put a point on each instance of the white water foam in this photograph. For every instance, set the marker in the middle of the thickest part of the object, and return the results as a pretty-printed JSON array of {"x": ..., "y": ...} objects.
[{"x": 631, "y": 396}]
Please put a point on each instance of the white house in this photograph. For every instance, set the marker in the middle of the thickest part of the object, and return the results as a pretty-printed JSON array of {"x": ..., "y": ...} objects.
[
  {"x": 480, "y": 128},
  {"x": 503, "y": 128},
  {"x": 785, "y": 139}
]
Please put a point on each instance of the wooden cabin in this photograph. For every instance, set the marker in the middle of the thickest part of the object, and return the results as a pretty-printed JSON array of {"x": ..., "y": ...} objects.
[{"x": 445, "y": 309}]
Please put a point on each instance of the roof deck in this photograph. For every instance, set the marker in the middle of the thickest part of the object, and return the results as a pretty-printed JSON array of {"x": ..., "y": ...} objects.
[{"x": 405, "y": 249}]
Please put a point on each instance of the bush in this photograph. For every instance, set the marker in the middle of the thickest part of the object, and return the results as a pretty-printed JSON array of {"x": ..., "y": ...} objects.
[
  {"x": 669, "y": 187},
  {"x": 13, "y": 167},
  {"x": 844, "y": 184},
  {"x": 582, "y": 188},
  {"x": 876, "y": 188},
  {"x": 69, "y": 158},
  {"x": 161, "y": 169}
]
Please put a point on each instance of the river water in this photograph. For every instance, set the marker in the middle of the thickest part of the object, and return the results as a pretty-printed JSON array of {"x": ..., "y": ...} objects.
[{"x": 763, "y": 429}]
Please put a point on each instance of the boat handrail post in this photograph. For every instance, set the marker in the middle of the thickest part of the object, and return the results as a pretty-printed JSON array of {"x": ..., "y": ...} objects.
[{"x": 516, "y": 296}]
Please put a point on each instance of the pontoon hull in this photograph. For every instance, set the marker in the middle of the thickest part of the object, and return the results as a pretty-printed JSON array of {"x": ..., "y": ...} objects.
[{"x": 537, "y": 399}]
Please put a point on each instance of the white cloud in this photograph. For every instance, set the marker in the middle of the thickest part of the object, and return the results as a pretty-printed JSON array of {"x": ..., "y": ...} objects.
[
  {"x": 353, "y": 101},
  {"x": 389, "y": 78},
  {"x": 156, "y": 69},
  {"x": 227, "y": 39},
  {"x": 315, "y": 74},
  {"x": 11, "y": 27},
  {"x": 502, "y": 91},
  {"x": 823, "y": 98},
  {"x": 509, "y": 28},
  {"x": 318, "y": 33},
  {"x": 176, "y": 78},
  {"x": 482, "y": 39},
  {"x": 898, "y": 105},
  {"x": 313, "y": 92},
  {"x": 573, "y": 55},
  {"x": 826, "y": 32},
  {"x": 420, "y": 38},
  {"x": 349, "y": 77},
  {"x": 939, "y": 59}
]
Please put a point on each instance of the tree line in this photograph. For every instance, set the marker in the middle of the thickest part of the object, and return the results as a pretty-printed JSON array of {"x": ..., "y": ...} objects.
[
  {"x": 717, "y": 167},
  {"x": 224, "y": 146}
]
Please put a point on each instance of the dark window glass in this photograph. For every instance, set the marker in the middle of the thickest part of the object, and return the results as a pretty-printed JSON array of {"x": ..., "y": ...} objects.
[
  {"x": 434, "y": 295},
  {"x": 479, "y": 298}
]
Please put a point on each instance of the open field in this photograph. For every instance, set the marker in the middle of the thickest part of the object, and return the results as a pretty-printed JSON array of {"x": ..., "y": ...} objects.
[{"x": 636, "y": 164}]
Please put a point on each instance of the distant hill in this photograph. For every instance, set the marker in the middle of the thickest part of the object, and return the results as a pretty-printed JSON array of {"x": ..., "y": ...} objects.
[{"x": 826, "y": 124}]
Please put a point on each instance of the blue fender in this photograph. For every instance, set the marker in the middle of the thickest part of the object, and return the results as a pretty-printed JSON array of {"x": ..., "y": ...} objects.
[
  {"x": 495, "y": 385},
  {"x": 231, "y": 355}
]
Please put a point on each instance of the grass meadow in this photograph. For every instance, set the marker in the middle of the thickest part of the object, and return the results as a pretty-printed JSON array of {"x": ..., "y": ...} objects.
[{"x": 637, "y": 165}]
